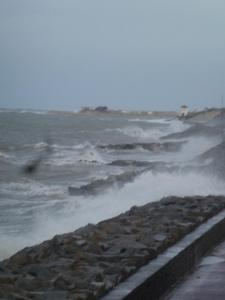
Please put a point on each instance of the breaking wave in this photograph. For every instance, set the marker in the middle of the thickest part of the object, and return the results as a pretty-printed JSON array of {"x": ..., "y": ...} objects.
[
  {"x": 3, "y": 155},
  {"x": 154, "y": 132},
  {"x": 140, "y": 133},
  {"x": 47, "y": 190},
  {"x": 78, "y": 211},
  {"x": 36, "y": 112},
  {"x": 31, "y": 188},
  {"x": 70, "y": 155}
]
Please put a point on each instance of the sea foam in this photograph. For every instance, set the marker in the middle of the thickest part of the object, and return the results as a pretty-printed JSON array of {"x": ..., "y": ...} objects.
[{"x": 79, "y": 211}]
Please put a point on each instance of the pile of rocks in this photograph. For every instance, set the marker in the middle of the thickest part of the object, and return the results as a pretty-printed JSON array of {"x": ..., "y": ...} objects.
[{"x": 88, "y": 262}]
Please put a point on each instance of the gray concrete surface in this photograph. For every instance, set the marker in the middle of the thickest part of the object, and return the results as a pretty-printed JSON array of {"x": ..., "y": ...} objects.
[
  {"x": 207, "y": 282},
  {"x": 155, "y": 279}
]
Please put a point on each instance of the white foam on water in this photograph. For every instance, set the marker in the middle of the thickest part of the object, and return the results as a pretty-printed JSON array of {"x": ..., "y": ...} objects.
[
  {"x": 74, "y": 212},
  {"x": 91, "y": 155},
  {"x": 31, "y": 188},
  {"x": 79, "y": 211},
  {"x": 190, "y": 150},
  {"x": 147, "y": 188},
  {"x": 153, "y": 121},
  {"x": 152, "y": 133},
  {"x": 36, "y": 112},
  {"x": 85, "y": 145},
  {"x": 174, "y": 125},
  {"x": 81, "y": 146},
  {"x": 71, "y": 155},
  {"x": 40, "y": 145},
  {"x": 140, "y": 133},
  {"x": 4, "y": 155},
  {"x": 65, "y": 155}
]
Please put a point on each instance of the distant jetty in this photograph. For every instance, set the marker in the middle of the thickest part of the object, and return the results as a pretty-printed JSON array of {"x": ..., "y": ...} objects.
[
  {"x": 183, "y": 114},
  {"x": 205, "y": 115},
  {"x": 106, "y": 110}
]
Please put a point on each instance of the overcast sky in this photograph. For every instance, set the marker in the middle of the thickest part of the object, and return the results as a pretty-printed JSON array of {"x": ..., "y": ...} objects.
[{"x": 135, "y": 54}]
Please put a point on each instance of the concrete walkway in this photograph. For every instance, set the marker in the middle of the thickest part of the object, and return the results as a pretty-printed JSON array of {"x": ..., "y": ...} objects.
[{"x": 208, "y": 280}]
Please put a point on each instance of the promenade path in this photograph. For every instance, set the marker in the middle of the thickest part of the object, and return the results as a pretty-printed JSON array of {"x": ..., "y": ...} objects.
[{"x": 207, "y": 282}]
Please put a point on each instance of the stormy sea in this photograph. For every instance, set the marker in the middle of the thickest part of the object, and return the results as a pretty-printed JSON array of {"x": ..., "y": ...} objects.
[{"x": 59, "y": 172}]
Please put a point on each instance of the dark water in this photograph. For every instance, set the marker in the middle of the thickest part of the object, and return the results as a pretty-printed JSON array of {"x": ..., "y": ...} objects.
[
  {"x": 73, "y": 141},
  {"x": 36, "y": 206}
]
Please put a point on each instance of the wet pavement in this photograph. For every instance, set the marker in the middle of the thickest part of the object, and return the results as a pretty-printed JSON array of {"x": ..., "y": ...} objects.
[{"x": 207, "y": 282}]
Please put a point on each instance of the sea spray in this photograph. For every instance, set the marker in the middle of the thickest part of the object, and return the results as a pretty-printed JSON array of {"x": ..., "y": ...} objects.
[
  {"x": 75, "y": 212},
  {"x": 35, "y": 208}
]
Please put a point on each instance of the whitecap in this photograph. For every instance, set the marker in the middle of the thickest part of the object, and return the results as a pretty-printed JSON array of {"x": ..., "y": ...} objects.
[
  {"x": 4, "y": 155},
  {"x": 154, "y": 133},
  {"x": 36, "y": 112},
  {"x": 31, "y": 188},
  {"x": 153, "y": 121},
  {"x": 71, "y": 155},
  {"x": 78, "y": 211},
  {"x": 91, "y": 155},
  {"x": 138, "y": 132},
  {"x": 39, "y": 145}
]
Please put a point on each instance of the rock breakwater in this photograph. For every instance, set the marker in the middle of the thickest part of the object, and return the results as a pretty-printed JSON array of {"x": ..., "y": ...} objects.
[
  {"x": 196, "y": 131},
  {"x": 216, "y": 160},
  {"x": 99, "y": 185},
  {"x": 87, "y": 263},
  {"x": 154, "y": 147}
]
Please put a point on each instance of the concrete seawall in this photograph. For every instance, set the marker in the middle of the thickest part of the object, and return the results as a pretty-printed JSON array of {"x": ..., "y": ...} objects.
[{"x": 157, "y": 278}]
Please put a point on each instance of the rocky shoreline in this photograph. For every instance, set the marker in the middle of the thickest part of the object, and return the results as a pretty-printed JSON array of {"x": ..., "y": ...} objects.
[{"x": 87, "y": 263}]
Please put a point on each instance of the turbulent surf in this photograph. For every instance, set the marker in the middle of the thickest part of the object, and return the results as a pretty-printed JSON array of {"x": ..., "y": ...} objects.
[{"x": 88, "y": 168}]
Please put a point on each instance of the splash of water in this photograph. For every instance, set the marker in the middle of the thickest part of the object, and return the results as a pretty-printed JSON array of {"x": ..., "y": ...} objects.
[{"x": 79, "y": 211}]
